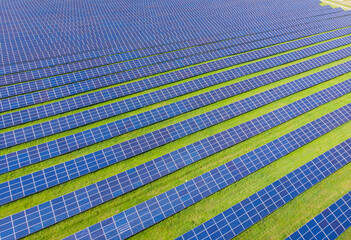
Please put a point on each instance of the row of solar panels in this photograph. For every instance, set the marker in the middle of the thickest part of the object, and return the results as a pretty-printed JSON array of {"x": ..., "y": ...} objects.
[
  {"x": 104, "y": 56},
  {"x": 96, "y": 83},
  {"x": 72, "y": 142},
  {"x": 241, "y": 216},
  {"x": 13, "y": 103},
  {"x": 330, "y": 223},
  {"x": 65, "y": 123}
]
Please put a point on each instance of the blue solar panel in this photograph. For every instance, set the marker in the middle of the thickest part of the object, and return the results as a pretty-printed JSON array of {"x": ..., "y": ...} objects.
[
  {"x": 105, "y": 190},
  {"x": 57, "y": 125},
  {"x": 159, "y": 49},
  {"x": 329, "y": 224},
  {"x": 232, "y": 221},
  {"x": 43, "y": 179},
  {"x": 56, "y": 108}
]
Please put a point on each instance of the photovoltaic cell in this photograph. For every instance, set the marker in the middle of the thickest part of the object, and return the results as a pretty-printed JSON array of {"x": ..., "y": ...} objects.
[
  {"x": 54, "y": 49},
  {"x": 163, "y": 48},
  {"x": 100, "y": 69},
  {"x": 144, "y": 39},
  {"x": 64, "y": 91}
]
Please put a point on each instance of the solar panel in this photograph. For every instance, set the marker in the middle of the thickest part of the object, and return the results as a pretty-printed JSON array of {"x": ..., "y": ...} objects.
[
  {"x": 72, "y": 121},
  {"x": 63, "y": 106},
  {"x": 65, "y": 123},
  {"x": 159, "y": 49},
  {"x": 73, "y": 203},
  {"x": 72, "y": 142},
  {"x": 329, "y": 224}
]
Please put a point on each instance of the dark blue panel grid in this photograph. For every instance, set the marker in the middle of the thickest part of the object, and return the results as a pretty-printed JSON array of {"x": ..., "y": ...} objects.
[
  {"x": 72, "y": 121},
  {"x": 88, "y": 72},
  {"x": 101, "y": 53},
  {"x": 161, "y": 39},
  {"x": 64, "y": 91},
  {"x": 45, "y": 151},
  {"x": 162, "y": 32},
  {"x": 329, "y": 224},
  {"x": 149, "y": 38},
  {"x": 83, "y": 199}
]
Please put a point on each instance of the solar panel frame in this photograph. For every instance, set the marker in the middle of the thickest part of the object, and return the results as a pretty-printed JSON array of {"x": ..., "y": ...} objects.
[
  {"x": 137, "y": 45},
  {"x": 55, "y": 126},
  {"x": 47, "y": 110}
]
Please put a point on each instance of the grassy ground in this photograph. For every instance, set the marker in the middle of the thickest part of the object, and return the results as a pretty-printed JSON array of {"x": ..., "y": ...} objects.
[
  {"x": 276, "y": 226},
  {"x": 336, "y": 4},
  {"x": 345, "y": 235}
]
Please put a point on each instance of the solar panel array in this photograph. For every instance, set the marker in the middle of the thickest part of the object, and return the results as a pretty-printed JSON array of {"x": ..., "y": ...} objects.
[
  {"x": 63, "y": 145},
  {"x": 144, "y": 100},
  {"x": 83, "y": 199},
  {"x": 123, "y": 66},
  {"x": 225, "y": 49},
  {"x": 57, "y": 174},
  {"x": 163, "y": 86},
  {"x": 31, "y": 133},
  {"x": 303, "y": 13}
]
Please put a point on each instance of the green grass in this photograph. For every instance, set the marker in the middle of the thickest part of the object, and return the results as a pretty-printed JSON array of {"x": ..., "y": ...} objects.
[
  {"x": 337, "y": 4},
  {"x": 276, "y": 226},
  {"x": 345, "y": 235}
]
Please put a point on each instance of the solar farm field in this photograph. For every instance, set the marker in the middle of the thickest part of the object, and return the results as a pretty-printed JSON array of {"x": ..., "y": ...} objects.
[{"x": 185, "y": 119}]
